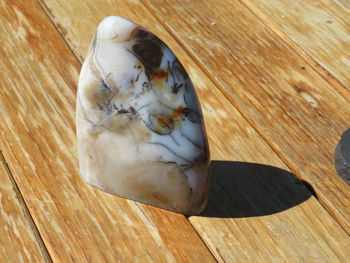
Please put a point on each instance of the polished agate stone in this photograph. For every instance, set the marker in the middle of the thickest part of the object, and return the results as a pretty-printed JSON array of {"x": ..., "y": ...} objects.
[{"x": 140, "y": 129}]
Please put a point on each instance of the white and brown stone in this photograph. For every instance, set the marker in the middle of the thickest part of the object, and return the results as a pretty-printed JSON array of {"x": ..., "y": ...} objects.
[{"x": 140, "y": 129}]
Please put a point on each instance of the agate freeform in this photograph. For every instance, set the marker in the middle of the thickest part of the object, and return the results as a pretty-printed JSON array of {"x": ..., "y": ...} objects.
[{"x": 140, "y": 130}]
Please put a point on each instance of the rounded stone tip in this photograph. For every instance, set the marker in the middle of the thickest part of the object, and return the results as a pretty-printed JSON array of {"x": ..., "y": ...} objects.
[{"x": 115, "y": 28}]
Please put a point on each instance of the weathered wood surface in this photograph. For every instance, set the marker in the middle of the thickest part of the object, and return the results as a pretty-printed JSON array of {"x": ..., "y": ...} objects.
[
  {"x": 78, "y": 223},
  {"x": 318, "y": 30},
  {"x": 265, "y": 216},
  {"x": 296, "y": 111},
  {"x": 19, "y": 239},
  {"x": 256, "y": 212},
  {"x": 344, "y": 3}
]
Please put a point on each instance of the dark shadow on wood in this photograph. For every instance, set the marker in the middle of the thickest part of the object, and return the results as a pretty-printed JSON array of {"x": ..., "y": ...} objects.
[{"x": 247, "y": 189}]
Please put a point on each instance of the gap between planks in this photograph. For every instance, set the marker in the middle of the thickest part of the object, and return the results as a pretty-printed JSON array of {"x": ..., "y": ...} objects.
[
  {"x": 26, "y": 211},
  {"x": 246, "y": 116},
  {"x": 50, "y": 18},
  {"x": 303, "y": 54},
  {"x": 80, "y": 60}
]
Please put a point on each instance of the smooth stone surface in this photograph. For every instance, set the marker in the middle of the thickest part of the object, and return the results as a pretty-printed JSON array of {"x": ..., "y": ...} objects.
[
  {"x": 140, "y": 128},
  {"x": 342, "y": 157}
]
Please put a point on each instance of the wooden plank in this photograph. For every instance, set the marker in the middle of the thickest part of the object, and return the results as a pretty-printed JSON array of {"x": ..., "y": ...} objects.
[
  {"x": 19, "y": 240},
  {"x": 345, "y": 3},
  {"x": 318, "y": 30},
  {"x": 77, "y": 222},
  {"x": 233, "y": 226},
  {"x": 248, "y": 222},
  {"x": 298, "y": 113}
]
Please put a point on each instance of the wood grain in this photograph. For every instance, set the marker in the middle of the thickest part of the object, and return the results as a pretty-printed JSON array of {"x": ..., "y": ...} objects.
[
  {"x": 344, "y": 3},
  {"x": 19, "y": 240},
  {"x": 234, "y": 226},
  {"x": 249, "y": 222},
  {"x": 296, "y": 111},
  {"x": 77, "y": 222},
  {"x": 318, "y": 30}
]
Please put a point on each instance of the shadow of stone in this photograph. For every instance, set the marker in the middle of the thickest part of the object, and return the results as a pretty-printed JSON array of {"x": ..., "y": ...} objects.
[{"x": 247, "y": 190}]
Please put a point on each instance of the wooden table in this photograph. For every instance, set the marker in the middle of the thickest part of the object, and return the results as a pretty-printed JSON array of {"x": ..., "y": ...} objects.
[{"x": 273, "y": 78}]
